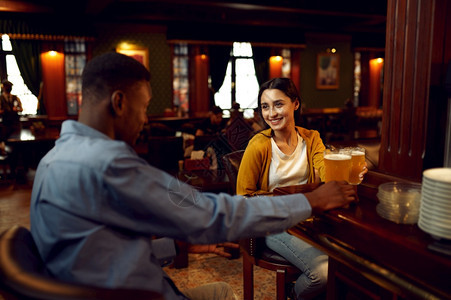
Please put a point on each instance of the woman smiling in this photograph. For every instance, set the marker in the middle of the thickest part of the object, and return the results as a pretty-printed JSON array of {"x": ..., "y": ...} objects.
[{"x": 282, "y": 155}]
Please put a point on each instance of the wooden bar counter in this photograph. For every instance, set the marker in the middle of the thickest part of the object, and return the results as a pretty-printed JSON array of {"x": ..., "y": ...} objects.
[{"x": 374, "y": 258}]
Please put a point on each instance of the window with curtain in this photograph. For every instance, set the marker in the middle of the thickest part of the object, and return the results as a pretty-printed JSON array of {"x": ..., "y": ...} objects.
[
  {"x": 240, "y": 83},
  {"x": 357, "y": 78},
  {"x": 286, "y": 63},
  {"x": 75, "y": 61},
  {"x": 11, "y": 69},
  {"x": 180, "y": 78}
]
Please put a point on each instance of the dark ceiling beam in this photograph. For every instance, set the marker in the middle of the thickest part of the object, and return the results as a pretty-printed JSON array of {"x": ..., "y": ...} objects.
[
  {"x": 96, "y": 7},
  {"x": 332, "y": 23},
  {"x": 259, "y": 7},
  {"x": 220, "y": 12},
  {"x": 274, "y": 17},
  {"x": 23, "y": 7}
]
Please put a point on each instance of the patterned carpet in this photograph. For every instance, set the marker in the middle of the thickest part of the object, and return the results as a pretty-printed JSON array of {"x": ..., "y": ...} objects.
[{"x": 206, "y": 268}]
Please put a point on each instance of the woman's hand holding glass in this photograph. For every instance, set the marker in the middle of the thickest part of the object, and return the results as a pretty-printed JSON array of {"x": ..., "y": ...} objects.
[
  {"x": 358, "y": 165},
  {"x": 346, "y": 164}
]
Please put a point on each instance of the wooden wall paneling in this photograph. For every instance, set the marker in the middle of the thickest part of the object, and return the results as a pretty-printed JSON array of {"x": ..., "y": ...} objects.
[
  {"x": 441, "y": 53},
  {"x": 389, "y": 90},
  {"x": 417, "y": 84},
  {"x": 406, "y": 86},
  {"x": 437, "y": 148}
]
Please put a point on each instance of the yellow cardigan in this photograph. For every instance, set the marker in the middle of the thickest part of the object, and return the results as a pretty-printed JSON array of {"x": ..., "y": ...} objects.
[{"x": 254, "y": 167}]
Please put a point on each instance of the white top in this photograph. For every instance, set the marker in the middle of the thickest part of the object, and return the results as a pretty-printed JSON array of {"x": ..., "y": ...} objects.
[{"x": 290, "y": 169}]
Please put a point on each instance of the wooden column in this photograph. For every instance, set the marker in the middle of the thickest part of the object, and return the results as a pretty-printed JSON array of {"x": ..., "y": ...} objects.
[
  {"x": 199, "y": 101},
  {"x": 296, "y": 67},
  {"x": 275, "y": 66},
  {"x": 54, "y": 84},
  {"x": 410, "y": 43},
  {"x": 374, "y": 98}
]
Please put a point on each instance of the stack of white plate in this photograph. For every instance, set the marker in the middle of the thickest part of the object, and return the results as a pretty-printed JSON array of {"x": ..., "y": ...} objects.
[
  {"x": 399, "y": 202},
  {"x": 435, "y": 208}
]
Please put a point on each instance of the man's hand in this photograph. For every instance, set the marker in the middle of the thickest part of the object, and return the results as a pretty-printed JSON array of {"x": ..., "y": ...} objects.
[
  {"x": 331, "y": 195},
  {"x": 213, "y": 248}
]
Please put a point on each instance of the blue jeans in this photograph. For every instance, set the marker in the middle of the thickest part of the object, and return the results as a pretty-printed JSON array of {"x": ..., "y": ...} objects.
[{"x": 312, "y": 262}]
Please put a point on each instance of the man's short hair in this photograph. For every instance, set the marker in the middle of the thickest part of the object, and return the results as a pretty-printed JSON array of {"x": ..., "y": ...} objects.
[
  {"x": 216, "y": 110},
  {"x": 109, "y": 72},
  {"x": 7, "y": 83},
  {"x": 7, "y": 86}
]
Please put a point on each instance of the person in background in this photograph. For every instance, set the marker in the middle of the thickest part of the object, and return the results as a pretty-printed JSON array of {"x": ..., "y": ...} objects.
[
  {"x": 213, "y": 125},
  {"x": 10, "y": 107},
  {"x": 256, "y": 122},
  {"x": 235, "y": 113},
  {"x": 95, "y": 203},
  {"x": 282, "y": 155},
  {"x": 208, "y": 137}
]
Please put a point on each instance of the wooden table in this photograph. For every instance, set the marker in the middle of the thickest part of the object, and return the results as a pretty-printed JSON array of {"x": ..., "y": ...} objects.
[
  {"x": 29, "y": 147},
  {"x": 26, "y": 135},
  {"x": 374, "y": 258}
]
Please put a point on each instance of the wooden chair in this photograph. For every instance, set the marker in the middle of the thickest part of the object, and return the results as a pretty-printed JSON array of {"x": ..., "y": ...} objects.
[
  {"x": 255, "y": 251},
  {"x": 231, "y": 162},
  {"x": 23, "y": 275},
  {"x": 7, "y": 163}
]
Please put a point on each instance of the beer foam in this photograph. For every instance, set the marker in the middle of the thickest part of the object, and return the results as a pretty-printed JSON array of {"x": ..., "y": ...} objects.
[
  {"x": 337, "y": 157},
  {"x": 357, "y": 153}
]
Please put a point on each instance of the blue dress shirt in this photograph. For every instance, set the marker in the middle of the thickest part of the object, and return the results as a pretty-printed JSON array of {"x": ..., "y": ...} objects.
[{"x": 95, "y": 204}]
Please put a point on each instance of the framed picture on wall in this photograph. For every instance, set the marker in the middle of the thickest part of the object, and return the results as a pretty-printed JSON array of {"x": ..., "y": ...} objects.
[
  {"x": 141, "y": 54},
  {"x": 328, "y": 71}
]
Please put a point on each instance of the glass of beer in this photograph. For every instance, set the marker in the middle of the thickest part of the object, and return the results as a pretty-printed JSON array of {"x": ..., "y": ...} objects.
[
  {"x": 357, "y": 164},
  {"x": 337, "y": 163}
]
